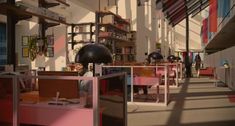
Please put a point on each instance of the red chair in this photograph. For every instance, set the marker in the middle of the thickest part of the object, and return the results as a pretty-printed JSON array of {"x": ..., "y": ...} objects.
[{"x": 208, "y": 71}]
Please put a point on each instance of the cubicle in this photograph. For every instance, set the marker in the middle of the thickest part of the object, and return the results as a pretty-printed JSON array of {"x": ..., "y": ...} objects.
[
  {"x": 154, "y": 78},
  {"x": 107, "y": 98}
]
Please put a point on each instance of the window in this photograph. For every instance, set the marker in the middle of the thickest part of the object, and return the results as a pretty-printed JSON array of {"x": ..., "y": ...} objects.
[{"x": 3, "y": 44}]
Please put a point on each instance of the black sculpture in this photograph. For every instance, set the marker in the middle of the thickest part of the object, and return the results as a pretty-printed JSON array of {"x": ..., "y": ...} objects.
[
  {"x": 171, "y": 58},
  {"x": 93, "y": 53},
  {"x": 155, "y": 56}
]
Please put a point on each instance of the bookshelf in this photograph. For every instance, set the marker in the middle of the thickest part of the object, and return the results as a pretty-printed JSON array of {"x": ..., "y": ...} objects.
[
  {"x": 115, "y": 32},
  {"x": 80, "y": 32}
]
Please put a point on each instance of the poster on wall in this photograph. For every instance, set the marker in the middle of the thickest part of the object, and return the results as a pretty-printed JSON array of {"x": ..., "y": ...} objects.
[
  {"x": 25, "y": 52},
  {"x": 25, "y": 40}
]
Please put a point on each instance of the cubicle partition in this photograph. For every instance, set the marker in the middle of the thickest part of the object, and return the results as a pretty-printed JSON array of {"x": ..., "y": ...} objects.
[
  {"x": 99, "y": 101},
  {"x": 8, "y": 100},
  {"x": 144, "y": 78}
]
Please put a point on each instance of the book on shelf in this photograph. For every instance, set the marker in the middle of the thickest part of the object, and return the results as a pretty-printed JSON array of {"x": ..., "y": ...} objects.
[{"x": 105, "y": 34}]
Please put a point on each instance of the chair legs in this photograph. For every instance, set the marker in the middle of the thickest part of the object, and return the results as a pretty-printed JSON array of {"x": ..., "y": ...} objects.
[{"x": 157, "y": 94}]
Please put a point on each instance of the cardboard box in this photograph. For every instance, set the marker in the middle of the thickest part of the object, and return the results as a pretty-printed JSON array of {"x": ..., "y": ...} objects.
[{"x": 108, "y": 19}]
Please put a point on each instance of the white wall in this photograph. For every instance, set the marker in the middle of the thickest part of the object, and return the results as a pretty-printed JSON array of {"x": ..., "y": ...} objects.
[
  {"x": 79, "y": 14},
  {"x": 145, "y": 27},
  {"x": 30, "y": 27},
  {"x": 194, "y": 35},
  {"x": 26, "y": 28},
  {"x": 91, "y": 5},
  {"x": 146, "y": 30},
  {"x": 214, "y": 60}
]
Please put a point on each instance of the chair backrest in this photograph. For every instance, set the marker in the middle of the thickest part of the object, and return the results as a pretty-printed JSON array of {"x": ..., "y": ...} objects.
[
  {"x": 144, "y": 71},
  {"x": 160, "y": 71}
]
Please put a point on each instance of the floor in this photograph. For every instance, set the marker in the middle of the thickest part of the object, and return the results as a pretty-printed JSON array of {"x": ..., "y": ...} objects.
[{"x": 197, "y": 102}]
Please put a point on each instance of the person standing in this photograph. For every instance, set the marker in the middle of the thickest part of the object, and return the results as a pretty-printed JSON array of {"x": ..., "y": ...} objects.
[{"x": 197, "y": 64}]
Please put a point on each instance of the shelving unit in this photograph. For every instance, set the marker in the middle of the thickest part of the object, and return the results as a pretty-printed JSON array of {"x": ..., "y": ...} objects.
[
  {"x": 81, "y": 29},
  {"x": 114, "y": 32}
]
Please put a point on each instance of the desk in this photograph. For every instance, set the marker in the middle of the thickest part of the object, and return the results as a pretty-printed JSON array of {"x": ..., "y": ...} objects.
[
  {"x": 50, "y": 115},
  {"x": 147, "y": 80},
  {"x": 40, "y": 113}
]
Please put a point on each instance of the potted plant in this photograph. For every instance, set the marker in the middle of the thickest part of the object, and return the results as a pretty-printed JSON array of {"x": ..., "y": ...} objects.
[{"x": 37, "y": 46}]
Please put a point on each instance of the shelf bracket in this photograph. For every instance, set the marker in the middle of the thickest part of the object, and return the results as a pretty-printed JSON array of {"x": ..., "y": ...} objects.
[{"x": 25, "y": 17}]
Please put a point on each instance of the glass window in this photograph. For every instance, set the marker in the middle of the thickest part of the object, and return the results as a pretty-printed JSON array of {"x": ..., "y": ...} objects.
[{"x": 3, "y": 44}]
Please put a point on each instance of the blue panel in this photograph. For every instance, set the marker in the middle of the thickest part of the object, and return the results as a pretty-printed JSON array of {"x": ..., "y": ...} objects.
[
  {"x": 223, "y": 8},
  {"x": 3, "y": 44}
]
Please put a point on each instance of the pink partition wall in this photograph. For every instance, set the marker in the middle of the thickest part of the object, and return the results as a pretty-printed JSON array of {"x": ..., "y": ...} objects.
[{"x": 6, "y": 102}]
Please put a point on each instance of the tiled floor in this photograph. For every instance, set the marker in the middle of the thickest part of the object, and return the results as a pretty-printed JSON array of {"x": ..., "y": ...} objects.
[{"x": 197, "y": 102}]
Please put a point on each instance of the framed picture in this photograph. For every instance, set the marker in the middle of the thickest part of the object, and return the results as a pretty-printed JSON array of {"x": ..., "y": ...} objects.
[
  {"x": 25, "y": 52},
  {"x": 25, "y": 40},
  {"x": 50, "y": 52},
  {"x": 50, "y": 40}
]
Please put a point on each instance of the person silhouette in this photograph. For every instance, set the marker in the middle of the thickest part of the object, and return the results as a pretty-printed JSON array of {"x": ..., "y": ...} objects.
[{"x": 197, "y": 63}]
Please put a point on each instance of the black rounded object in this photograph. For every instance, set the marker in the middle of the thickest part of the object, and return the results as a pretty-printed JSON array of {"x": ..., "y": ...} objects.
[
  {"x": 155, "y": 56},
  {"x": 171, "y": 58},
  {"x": 93, "y": 53}
]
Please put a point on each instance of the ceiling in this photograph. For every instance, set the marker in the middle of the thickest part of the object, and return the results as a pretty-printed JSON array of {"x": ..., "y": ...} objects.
[
  {"x": 177, "y": 10},
  {"x": 93, "y": 5}
]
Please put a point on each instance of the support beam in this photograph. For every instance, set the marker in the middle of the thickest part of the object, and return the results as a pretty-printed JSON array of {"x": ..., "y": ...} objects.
[
  {"x": 187, "y": 62},
  {"x": 11, "y": 21},
  {"x": 97, "y": 19}
]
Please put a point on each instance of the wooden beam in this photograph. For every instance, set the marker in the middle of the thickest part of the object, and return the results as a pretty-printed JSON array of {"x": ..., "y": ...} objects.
[
  {"x": 23, "y": 17},
  {"x": 39, "y": 12},
  {"x": 63, "y": 2},
  {"x": 51, "y": 24},
  {"x": 21, "y": 10}
]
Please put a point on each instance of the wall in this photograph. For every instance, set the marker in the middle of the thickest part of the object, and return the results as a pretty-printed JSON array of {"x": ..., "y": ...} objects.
[
  {"x": 143, "y": 20},
  {"x": 74, "y": 14},
  {"x": 91, "y": 5},
  {"x": 214, "y": 60},
  {"x": 26, "y": 28},
  {"x": 29, "y": 28},
  {"x": 79, "y": 14},
  {"x": 145, "y": 27},
  {"x": 194, "y": 35},
  {"x": 146, "y": 30}
]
